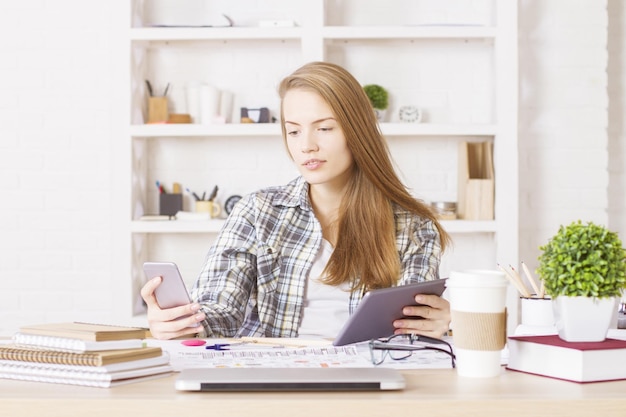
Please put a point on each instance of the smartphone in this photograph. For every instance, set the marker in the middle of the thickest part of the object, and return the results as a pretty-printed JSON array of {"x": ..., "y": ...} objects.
[{"x": 172, "y": 292}]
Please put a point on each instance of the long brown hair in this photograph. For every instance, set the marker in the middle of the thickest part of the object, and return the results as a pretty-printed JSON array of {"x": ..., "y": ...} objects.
[{"x": 365, "y": 253}]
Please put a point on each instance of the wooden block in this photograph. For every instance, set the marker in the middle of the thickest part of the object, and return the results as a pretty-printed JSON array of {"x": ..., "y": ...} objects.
[{"x": 179, "y": 118}]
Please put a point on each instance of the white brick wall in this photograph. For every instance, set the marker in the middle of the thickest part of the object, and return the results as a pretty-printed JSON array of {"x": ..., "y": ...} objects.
[
  {"x": 563, "y": 118},
  {"x": 55, "y": 124},
  {"x": 58, "y": 81}
]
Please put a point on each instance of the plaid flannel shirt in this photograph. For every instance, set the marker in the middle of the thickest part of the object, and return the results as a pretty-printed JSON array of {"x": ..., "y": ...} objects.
[{"x": 254, "y": 276}]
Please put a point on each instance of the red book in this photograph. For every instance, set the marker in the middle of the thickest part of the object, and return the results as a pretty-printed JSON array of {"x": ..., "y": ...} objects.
[{"x": 571, "y": 361}]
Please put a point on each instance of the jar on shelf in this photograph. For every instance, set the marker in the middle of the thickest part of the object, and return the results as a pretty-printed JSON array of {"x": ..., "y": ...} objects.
[{"x": 445, "y": 210}]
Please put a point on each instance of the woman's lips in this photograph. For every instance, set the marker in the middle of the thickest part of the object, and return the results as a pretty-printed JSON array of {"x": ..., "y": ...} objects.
[{"x": 312, "y": 163}]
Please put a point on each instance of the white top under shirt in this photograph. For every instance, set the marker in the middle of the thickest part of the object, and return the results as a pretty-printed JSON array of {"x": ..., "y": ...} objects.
[{"x": 325, "y": 306}]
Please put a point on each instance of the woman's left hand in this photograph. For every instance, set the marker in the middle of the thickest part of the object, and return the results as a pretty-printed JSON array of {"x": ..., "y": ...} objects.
[{"x": 432, "y": 318}]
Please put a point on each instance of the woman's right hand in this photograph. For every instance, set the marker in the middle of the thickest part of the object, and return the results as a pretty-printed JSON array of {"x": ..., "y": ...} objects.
[{"x": 171, "y": 322}]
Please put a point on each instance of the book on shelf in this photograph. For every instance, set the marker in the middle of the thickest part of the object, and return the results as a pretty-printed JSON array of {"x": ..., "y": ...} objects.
[
  {"x": 97, "y": 358},
  {"x": 550, "y": 356},
  {"x": 81, "y": 375},
  {"x": 73, "y": 345},
  {"x": 85, "y": 331}
]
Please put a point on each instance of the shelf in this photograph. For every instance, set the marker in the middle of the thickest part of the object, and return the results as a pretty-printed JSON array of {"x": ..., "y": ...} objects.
[
  {"x": 328, "y": 32},
  {"x": 273, "y": 129},
  {"x": 431, "y": 129},
  {"x": 214, "y": 226},
  {"x": 469, "y": 226},
  {"x": 183, "y": 130},
  {"x": 176, "y": 226},
  {"x": 206, "y": 33},
  {"x": 408, "y": 32}
]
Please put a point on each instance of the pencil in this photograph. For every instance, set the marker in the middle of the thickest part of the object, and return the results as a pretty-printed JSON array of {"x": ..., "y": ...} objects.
[
  {"x": 287, "y": 342},
  {"x": 518, "y": 284},
  {"x": 526, "y": 293},
  {"x": 530, "y": 278},
  {"x": 273, "y": 341}
]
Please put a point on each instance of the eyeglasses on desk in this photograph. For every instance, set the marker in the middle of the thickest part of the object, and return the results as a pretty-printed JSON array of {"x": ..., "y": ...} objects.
[{"x": 402, "y": 346}]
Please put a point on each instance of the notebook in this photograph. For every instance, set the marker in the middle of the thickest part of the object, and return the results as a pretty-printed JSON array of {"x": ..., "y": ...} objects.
[
  {"x": 376, "y": 312},
  {"x": 289, "y": 379}
]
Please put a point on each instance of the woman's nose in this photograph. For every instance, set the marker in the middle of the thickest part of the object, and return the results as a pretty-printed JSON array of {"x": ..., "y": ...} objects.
[{"x": 309, "y": 144}]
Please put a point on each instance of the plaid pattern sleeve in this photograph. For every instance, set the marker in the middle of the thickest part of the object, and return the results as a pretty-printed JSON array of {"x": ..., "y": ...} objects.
[
  {"x": 419, "y": 247},
  {"x": 254, "y": 277}
]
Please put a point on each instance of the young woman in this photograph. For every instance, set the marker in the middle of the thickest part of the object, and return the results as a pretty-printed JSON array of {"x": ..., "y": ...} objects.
[{"x": 295, "y": 260}]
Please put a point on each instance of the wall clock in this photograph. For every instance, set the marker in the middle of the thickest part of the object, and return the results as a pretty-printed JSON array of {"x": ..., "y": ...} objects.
[{"x": 230, "y": 203}]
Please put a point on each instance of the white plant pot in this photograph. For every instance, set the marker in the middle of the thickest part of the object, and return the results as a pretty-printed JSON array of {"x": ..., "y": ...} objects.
[
  {"x": 583, "y": 319},
  {"x": 380, "y": 114}
]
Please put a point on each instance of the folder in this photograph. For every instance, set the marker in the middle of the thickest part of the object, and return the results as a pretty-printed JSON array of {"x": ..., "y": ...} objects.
[{"x": 476, "y": 184}]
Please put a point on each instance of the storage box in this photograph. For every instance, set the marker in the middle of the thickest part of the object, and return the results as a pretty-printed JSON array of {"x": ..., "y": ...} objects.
[
  {"x": 157, "y": 110},
  {"x": 170, "y": 204},
  {"x": 476, "y": 181}
]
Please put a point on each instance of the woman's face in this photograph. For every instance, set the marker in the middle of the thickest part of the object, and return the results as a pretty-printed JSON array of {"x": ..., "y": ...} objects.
[{"x": 315, "y": 140}]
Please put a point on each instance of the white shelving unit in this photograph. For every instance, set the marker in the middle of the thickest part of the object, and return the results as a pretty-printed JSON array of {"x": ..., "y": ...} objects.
[{"x": 184, "y": 54}]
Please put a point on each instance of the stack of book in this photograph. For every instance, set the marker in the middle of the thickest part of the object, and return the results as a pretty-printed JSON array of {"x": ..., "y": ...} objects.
[
  {"x": 550, "y": 356},
  {"x": 82, "y": 354}
]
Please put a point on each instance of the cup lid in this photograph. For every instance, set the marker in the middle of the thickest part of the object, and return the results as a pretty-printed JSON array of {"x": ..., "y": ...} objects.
[{"x": 477, "y": 278}]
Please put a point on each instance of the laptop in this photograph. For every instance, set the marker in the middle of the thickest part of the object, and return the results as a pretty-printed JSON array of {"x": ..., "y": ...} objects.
[
  {"x": 378, "y": 309},
  {"x": 289, "y": 379}
]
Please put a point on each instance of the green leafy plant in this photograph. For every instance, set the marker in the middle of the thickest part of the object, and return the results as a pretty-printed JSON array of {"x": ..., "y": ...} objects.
[
  {"x": 583, "y": 260},
  {"x": 379, "y": 97}
]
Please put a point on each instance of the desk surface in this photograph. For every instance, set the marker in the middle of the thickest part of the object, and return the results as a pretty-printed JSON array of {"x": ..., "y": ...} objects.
[{"x": 429, "y": 392}]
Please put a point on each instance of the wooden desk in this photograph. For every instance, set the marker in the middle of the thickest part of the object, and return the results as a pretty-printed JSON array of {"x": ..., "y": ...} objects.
[{"x": 429, "y": 393}]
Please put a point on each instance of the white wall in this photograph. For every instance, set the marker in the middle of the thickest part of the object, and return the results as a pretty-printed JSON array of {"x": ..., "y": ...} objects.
[
  {"x": 55, "y": 134},
  {"x": 563, "y": 136},
  {"x": 58, "y": 115}
]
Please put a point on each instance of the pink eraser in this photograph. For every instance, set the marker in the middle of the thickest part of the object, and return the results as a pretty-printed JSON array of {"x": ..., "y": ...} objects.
[{"x": 193, "y": 342}]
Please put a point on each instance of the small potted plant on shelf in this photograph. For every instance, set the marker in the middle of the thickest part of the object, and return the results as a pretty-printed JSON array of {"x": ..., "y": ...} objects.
[
  {"x": 583, "y": 269},
  {"x": 379, "y": 97}
]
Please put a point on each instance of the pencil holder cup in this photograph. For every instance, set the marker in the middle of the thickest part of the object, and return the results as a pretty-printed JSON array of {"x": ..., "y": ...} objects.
[
  {"x": 537, "y": 312},
  {"x": 170, "y": 204},
  {"x": 210, "y": 207},
  {"x": 157, "y": 110}
]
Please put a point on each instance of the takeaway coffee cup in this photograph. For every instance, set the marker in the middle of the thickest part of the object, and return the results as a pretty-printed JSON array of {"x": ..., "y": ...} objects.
[{"x": 478, "y": 309}]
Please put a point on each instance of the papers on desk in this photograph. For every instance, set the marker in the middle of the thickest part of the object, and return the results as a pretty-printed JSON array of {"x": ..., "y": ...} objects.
[{"x": 303, "y": 354}]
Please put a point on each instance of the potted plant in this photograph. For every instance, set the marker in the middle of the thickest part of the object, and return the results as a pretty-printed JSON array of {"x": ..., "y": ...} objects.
[
  {"x": 583, "y": 269},
  {"x": 379, "y": 97}
]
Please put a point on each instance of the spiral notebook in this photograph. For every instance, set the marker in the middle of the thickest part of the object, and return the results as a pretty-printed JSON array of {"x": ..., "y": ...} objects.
[
  {"x": 100, "y": 358},
  {"x": 41, "y": 373},
  {"x": 73, "y": 345}
]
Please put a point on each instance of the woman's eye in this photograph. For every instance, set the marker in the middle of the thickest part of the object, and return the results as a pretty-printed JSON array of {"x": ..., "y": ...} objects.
[
  {"x": 325, "y": 129},
  {"x": 292, "y": 132}
]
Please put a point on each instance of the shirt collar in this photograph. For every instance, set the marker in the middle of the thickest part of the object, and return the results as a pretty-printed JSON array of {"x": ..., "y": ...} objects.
[{"x": 295, "y": 193}]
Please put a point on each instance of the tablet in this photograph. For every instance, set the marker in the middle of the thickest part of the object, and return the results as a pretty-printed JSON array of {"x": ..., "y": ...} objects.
[{"x": 376, "y": 312}]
